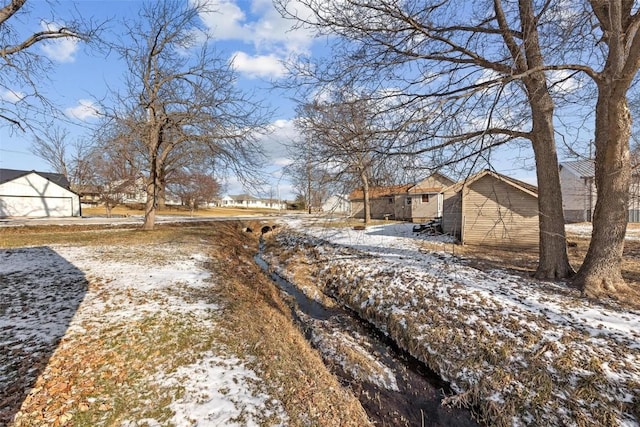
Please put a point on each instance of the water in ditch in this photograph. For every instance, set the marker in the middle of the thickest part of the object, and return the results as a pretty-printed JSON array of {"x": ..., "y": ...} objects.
[{"x": 393, "y": 387}]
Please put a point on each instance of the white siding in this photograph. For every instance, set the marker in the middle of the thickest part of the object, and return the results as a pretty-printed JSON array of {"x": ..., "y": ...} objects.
[
  {"x": 336, "y": 204},
  {"x": 35, "y": 196},
  {"x": 578, "y": 196}
]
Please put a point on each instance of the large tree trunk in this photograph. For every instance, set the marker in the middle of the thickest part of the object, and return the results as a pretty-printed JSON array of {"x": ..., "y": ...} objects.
[
  {"x": 553, "y": 258},
  {"x": 152, "y": 194},
  {"x": 600, "y": 274},
  {"x": 162, "y": 195},
  {"x": 150, "y": 205},
  {"x": 366, "y": 198}
]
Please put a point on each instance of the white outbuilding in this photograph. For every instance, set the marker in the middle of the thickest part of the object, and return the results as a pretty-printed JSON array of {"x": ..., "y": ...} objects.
[{"x": 36, "y": 194}]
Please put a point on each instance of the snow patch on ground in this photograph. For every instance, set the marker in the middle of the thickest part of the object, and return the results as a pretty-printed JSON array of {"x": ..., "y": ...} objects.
[
  {"x": 214, "y": 390},
  {"x": 584, "y": 229}
]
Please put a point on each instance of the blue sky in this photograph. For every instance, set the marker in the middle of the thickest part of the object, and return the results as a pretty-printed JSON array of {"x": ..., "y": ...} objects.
[{"x": 249, "y": 32}]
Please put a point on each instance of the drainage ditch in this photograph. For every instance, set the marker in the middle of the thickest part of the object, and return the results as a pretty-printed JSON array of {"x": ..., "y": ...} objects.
[{"x": 393, "y": 387}]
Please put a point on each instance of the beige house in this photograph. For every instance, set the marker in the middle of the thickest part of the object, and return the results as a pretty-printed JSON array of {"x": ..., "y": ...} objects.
[
  {"x": 408, "y": 202},
  {"x": 492, "y": 209}
]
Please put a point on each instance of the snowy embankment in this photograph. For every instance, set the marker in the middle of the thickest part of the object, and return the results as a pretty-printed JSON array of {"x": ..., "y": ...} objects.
[{"x": 525, "y": 352}]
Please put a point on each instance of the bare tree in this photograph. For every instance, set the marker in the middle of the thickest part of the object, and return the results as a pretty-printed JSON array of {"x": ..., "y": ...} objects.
[
  {"x": 178, "y": 92},
  {"x": 115, "y": 164},
  {"x": 194, "y": 188},
  {"x": 470, "y": 76},
  {"x": 308, "y": 179},
  {"x": 52, "y": 148},
  {"x": 22, "y": 68},
  {"x": 342, "y": 137},
  {"x": 71, "y": 159},
  {"x": 618, "y": 24}
]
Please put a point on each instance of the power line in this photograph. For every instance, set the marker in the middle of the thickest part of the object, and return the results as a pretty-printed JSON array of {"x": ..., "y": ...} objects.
[{"x": 14, "y": 151}]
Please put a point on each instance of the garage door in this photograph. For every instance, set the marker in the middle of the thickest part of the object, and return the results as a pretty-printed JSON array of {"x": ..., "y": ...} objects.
[{"x": 36, "y": 206}]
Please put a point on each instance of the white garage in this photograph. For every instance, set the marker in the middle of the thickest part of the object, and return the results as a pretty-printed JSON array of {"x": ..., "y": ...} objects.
[{"x": 36, "y": 194}]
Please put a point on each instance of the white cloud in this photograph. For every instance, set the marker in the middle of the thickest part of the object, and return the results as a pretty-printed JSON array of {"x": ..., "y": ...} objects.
[
  {"x": 85, "y": 109},
  {"x": 258, "y": 65},
  {"x": 11, "y": 96},
  {"x": 60, "y": 50},
  {"x": 283, "y": 133},
  {"x": 562, "y": 81},
  {"x": 225, "y": 20},
  {"x": 261, "y": 25}
]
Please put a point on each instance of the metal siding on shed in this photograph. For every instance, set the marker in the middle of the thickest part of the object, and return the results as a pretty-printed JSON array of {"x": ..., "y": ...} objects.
[
  {"x": 499, "y": 214},
  {"x": 357, "y": 209},
  {"x": 451, "y": 213}
]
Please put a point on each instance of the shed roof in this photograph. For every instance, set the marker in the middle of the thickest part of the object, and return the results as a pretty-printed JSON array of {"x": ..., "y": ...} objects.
[
  {"x": 7, "y": 175},
  {"x": 526, "y": 187},
  {"x": 581, "y": 168}
]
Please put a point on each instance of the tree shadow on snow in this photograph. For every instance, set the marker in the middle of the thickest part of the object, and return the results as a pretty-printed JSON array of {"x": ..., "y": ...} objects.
[{"x": 40, "y": 293}]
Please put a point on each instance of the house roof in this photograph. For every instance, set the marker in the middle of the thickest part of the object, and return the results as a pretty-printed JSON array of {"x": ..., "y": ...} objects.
[
  {"x": 248, "y": 197},
  {"x": 581, "y": 168},
  {"x": 526, "y": 187},
  {"x": 433, "y": 189},
  {"x": 395, "y": 190},
  {"x": 377, "y": 192},
  {"x": 7, "y": 175},
  {"x": 241, "y": 197}
]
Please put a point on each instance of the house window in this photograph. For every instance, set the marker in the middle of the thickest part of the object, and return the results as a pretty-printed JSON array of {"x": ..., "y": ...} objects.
[
  {"x": 425, "y": 198},
  {"x": 390, "y": 200},
  {"x": 408, "y": 200}
]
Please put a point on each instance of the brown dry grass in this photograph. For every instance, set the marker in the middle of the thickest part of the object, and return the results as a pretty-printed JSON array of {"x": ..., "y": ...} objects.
[
  {"x": 261, "y": 326},
  {"x": 256, "y": 322},
  {"x": 179, "y": 211}
]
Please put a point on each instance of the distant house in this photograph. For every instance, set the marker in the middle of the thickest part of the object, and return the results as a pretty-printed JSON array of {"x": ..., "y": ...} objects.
[
  {"x": 577, "y": 183},
  {"x": 36, "y": 194},
  {"x": 337, "y": 204},
  {"x": 130, "y": 191},
  {"x": 248, "y": 201},
  {"x": 492, "y": 209},
  {"x": 578, "y": 190},
  {"x": 90, "y": 195},
  {"x": 408, "y": 202}
]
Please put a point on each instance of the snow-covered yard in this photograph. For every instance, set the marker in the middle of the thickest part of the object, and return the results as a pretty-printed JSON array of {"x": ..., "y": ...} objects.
[
  {"x": 132, "y": 334},
  {"x": 526, "y": 352},
  {"x": 77, "y": 322},
  {"x": 583, "y": 229}
]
